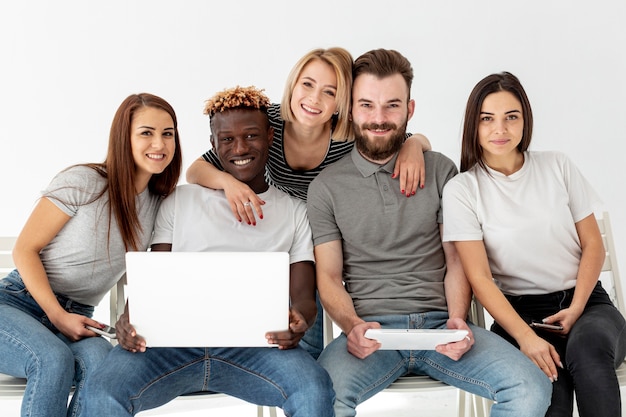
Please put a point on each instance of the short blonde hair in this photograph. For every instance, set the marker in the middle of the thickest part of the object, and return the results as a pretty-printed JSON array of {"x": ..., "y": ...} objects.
[
  {"x": 237, "y": 98},
  {"x": 341, "y": 62}
]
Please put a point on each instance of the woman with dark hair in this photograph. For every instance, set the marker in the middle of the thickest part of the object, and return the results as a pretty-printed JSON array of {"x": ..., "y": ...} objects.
[
  {"x": 523, "y": 224},
  {"x": 71, "y": 252}
]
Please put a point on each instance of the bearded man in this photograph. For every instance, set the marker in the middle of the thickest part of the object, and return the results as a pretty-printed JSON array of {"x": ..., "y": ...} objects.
[{"x": 381, "y": 263}]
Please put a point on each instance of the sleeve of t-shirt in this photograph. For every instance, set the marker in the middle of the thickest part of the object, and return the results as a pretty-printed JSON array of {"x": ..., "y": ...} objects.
[
  {"x": 164, "y": 223},
  {"x": 583, "y": 199},
  {"x": 460, "y": 220},
  {"x": 74, "y": 187},
  {"x": 321, "y": 215},
  {"x": 302, "y": 247},
  {"x": 446, "y": 170}
]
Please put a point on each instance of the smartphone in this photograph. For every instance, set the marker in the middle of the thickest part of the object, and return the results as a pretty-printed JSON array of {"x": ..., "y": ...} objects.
[
  {"x": 106, "y": 331},
  {"x": 538, "y": 325}
]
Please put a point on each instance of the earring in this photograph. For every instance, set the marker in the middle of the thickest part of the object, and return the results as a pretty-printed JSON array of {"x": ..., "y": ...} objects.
[{"x": 336, "y": 113}]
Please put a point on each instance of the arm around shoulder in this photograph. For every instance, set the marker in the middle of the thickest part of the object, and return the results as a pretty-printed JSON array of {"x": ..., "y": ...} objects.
[
  {"x": 422, "y": 141},
  {"x": 410, "y": 165},
  {"x": 204, "y": 173},
  {"x": 243, "y": 201}
]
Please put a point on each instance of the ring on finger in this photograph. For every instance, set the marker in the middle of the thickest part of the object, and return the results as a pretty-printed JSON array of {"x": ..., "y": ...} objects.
[{"x": 247, "y": 204}]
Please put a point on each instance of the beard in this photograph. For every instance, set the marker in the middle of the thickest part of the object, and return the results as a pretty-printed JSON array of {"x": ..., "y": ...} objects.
[{"x": 379, "y": 150}]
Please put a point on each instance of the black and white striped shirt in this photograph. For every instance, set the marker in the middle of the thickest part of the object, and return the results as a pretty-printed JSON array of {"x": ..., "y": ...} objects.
[{"x": 278, "y": 173}]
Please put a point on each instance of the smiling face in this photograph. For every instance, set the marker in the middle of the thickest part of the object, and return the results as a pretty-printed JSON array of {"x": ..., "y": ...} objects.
[
  {"x": 241, "y": 138},
  {"x": 152, "y": 142},
  {"x": 380, "y": 111},
  {"x": 501, "y": 126},
  {"x": 313, "y": 100}
]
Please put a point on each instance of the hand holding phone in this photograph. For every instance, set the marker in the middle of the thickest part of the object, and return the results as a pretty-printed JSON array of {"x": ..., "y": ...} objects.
[
  {"x": 538, "y": 325},
  {"x": 106, "y": 331}
]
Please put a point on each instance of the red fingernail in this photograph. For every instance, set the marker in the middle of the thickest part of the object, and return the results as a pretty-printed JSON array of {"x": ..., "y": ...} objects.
[
  {"x": 422, "y": 186},
  {"x": 402, "y": 191},
  {"x": 413, "y": 193}
]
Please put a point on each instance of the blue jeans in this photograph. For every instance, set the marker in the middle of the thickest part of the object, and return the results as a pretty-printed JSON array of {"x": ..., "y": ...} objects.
[
  {"x": 32, "y": 348},
  {"x": 594, "y": 348},
  {"x": 127, "y": 383},
  {"x": 313, "y": 339},
  {"x": 492, "y": 368}
]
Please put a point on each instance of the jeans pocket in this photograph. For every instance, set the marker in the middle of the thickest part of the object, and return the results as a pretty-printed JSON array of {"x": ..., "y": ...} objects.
[{"x": 12, "y": 284}]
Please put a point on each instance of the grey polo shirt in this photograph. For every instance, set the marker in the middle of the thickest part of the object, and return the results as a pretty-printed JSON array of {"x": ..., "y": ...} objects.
[{"x": 393, "y": 258}]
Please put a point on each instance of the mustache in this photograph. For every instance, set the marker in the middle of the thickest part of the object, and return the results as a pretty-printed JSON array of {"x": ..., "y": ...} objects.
[{"x": 379, "y": 126}]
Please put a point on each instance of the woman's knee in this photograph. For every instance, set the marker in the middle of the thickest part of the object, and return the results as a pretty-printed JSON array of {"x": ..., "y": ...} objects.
[
  {"x": 587, "y": 343},
  {"x": 90, "y": 353},
  {"x": 55, "y": 364}
]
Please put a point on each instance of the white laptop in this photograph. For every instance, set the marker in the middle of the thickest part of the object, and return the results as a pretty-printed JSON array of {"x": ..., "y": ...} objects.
[
  {"x": 207, "y": 299},
  {"x": 414, "y": 339}
]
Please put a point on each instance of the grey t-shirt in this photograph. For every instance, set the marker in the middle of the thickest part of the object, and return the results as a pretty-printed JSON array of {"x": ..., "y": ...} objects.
[
  {"x": 393, "y": 257},
  {"x": 83, "y": 261}
]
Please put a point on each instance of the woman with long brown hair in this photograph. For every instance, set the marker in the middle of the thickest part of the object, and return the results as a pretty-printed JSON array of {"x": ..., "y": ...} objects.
[{"x": 71, "y": 252}]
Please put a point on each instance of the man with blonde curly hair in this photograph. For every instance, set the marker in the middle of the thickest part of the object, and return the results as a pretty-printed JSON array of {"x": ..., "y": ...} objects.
[{"x": 134, "y": 378}]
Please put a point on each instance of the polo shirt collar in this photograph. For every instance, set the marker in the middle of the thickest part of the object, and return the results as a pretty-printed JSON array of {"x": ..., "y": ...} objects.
[{"x": 367, "y": 168}]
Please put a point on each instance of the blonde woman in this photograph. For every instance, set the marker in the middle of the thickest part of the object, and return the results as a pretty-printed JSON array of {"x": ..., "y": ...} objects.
[{"x": 312, "y": 130}]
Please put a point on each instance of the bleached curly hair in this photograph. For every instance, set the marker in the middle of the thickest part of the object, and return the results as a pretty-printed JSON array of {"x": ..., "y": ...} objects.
[{"x": 237, "y": 98}]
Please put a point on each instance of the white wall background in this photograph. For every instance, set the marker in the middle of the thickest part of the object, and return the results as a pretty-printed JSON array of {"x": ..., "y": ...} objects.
[{"x": 65, "y": 66}]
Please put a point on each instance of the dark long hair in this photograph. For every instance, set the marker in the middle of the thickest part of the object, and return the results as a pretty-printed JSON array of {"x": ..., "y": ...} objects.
[{"x": 471, "y": 151}]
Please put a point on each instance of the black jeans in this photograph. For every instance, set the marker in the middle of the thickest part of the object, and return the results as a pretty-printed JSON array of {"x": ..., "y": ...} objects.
[{"x": 594, "y": 348}]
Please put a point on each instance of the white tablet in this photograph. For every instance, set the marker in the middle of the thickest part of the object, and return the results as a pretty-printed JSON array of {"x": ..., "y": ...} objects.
[{"x": 414, "y": 339}]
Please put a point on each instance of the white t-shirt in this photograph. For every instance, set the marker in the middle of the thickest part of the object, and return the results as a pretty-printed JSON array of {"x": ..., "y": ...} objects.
[
  {"x": 199, "y": 219},
  {"x": 526, "y": 220}
]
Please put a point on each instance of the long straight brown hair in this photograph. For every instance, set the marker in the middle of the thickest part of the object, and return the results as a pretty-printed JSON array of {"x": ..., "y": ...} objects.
[{"x": 119, "y": 167}]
